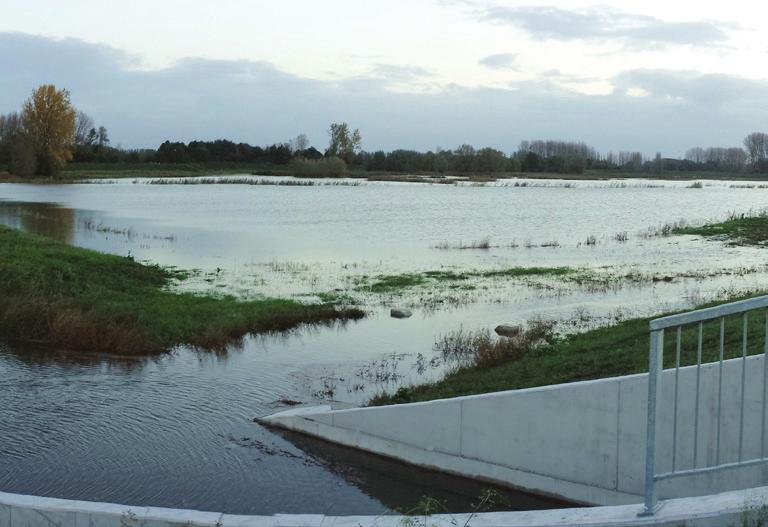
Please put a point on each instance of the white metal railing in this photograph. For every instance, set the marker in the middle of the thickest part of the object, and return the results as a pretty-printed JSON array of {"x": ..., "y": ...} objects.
[{"x": 656, "y": 366}]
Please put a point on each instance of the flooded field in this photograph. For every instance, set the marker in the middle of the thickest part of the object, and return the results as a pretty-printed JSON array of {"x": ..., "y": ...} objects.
[{"x": 178, "y": 431}]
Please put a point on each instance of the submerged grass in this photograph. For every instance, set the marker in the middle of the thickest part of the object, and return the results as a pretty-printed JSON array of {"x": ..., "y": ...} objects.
[
  {"x": 742, "y": 229},
  {"x": 83, "y": 300},
  {"x": 620, "y": 349},
  {"x": 483, "y": 244},
  {"x": 398, "y": 282},
  {"x": 394, "y": 282}
]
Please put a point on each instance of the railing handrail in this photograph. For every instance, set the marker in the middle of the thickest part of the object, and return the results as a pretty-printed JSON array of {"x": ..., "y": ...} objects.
[
  {"x": 709, "y": 313},
  {"x": 656, "y": 368}
]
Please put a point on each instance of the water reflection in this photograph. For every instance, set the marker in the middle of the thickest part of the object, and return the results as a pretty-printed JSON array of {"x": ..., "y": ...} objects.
[
  {"x": 45, "y": 219},
  {"x": 401, "y": 487},
  {"x": 38, "y": 355}
]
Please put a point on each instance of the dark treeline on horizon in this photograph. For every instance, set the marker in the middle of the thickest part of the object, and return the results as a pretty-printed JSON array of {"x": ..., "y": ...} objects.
[{"x": 531, "y": 156}]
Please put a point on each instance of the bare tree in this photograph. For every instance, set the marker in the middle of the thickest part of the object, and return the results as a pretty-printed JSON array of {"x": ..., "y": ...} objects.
[
  {"x": 565, "y": 149},
  {"x": 756, "y": 144},
  {"x": 102, "y": 139},
  {"x": 83, "y": 123},
  {"x": 299, "y": 143},
  {"x": 697, "y": 155}
]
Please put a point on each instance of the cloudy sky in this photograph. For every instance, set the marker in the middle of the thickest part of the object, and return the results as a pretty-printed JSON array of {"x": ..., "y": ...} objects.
[{"x": 633, "y": 75}]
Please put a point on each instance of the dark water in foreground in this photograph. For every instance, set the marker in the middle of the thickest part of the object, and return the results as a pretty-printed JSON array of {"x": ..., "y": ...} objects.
[{"x": 178, "y": 432}]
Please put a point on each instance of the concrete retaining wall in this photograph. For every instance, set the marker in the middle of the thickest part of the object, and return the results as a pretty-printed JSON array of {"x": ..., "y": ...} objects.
[
  {"x": 581, "y": 441},
  {"x": 723, "y": 509}
]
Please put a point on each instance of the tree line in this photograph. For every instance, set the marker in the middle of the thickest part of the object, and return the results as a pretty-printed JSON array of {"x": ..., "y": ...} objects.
[{"x": 49, "y": 131}]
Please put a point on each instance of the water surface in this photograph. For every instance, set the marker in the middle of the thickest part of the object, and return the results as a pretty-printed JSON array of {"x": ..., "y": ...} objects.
[{"x": 178, "y": 430}]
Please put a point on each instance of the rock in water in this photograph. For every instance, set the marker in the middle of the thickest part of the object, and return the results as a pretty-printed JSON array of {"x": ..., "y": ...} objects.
[
  {"x": 400, "y": 313},
  {"x": 507, "y": 330}
]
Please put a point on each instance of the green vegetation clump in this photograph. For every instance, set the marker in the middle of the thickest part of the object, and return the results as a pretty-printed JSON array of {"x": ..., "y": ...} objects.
[
  {"x": 319, "y": 168},
  {"x": 83, "y": 300},
  {"x": 621, "y": 349},
  {"x": 394, "y": 282},
  {"x": 397, "y": 282},
  {"x": 515, "y": 272},
  {"x": 737, "y": 230}
]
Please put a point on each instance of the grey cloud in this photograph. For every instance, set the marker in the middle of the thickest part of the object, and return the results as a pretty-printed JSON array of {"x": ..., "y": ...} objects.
[
  {"x": 499, "y": 61},
  {"x": 258, "y": 103},
  {"x": 605, "y": 24},
  {"x": 692, "y": 86}
]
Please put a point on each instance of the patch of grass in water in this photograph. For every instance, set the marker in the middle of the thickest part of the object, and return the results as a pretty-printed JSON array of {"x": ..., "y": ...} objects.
[
  {"x": 336, "y": 298},
  {"x": 741, "y": 229},
  {"x": 514, "y": 272},
  {"x": 446, "y": 275},
  {"x": 394, "y": 282},
  {"x": 621, "y": 349},
  {"x": 398, "y": 282},
  {"x": 83, "y": 300}
]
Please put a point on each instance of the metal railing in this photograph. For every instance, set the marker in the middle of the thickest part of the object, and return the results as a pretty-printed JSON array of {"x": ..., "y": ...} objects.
[{"x": 696, "y": 319}]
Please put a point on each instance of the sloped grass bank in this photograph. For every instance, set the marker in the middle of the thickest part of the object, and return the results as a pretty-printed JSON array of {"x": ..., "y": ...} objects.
[
  {"x": 83, "y": 300},
  {"x": 621, "y": 349}
]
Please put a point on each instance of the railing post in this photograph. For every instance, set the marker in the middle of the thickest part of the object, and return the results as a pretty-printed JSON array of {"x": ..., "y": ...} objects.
[{"x": 655, "y": 367}]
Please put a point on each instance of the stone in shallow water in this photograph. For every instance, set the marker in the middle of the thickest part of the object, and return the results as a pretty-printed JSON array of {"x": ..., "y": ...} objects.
[
  {"x": 400, "y": 313},
  {"x": 507, "y": 330}
]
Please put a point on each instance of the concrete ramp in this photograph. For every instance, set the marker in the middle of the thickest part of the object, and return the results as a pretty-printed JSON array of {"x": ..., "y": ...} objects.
[{"x": 583, "y": 441}]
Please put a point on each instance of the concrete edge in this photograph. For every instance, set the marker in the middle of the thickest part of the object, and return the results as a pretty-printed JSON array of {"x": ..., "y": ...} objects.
[
  {"x": 306, "y": 422},
  {"x": 18, "y": 510}
]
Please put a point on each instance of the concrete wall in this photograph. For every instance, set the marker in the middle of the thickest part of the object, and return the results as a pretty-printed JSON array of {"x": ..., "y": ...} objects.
[
  {"x": 723, "y": 509},
  {"x": 581, "y": 441}
]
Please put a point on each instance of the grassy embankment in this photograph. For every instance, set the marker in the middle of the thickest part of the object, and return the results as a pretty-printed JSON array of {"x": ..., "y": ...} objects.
[
  {"x": 83, "y": 300},
  {"x": 621, "y": 349}
]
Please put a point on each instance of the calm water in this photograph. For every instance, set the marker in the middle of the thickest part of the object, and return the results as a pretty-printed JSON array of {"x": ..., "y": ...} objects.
[{"x": 178, "y": 430}]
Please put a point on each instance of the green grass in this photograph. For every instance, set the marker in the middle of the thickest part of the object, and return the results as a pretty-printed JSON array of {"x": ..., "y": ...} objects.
[
  {"x": 398, "y": 282},
  {"x": 394, "y": 282},
  {"x": 621, "y": 349},
  {"x": 516, "y": 272},
  {"x": 83, "y": 300},
  {"x": 740, "y": 230}
]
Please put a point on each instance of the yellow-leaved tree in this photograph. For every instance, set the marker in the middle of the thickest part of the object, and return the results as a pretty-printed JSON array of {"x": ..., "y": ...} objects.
[{"x": 48, "y": 119}]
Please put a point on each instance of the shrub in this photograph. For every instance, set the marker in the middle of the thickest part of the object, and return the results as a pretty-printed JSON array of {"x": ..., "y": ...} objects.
[{"x": 320, "y": 168}]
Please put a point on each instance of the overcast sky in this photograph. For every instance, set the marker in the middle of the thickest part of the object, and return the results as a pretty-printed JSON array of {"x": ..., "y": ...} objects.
[{"x": 635, "y": 75}]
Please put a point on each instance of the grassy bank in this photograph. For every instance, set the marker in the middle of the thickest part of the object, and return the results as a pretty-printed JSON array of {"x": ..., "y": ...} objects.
[
  {"x": 621, "y": 349},
  {"x": 737, "y": 230},
  {"x": 87, "y": 301}
]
